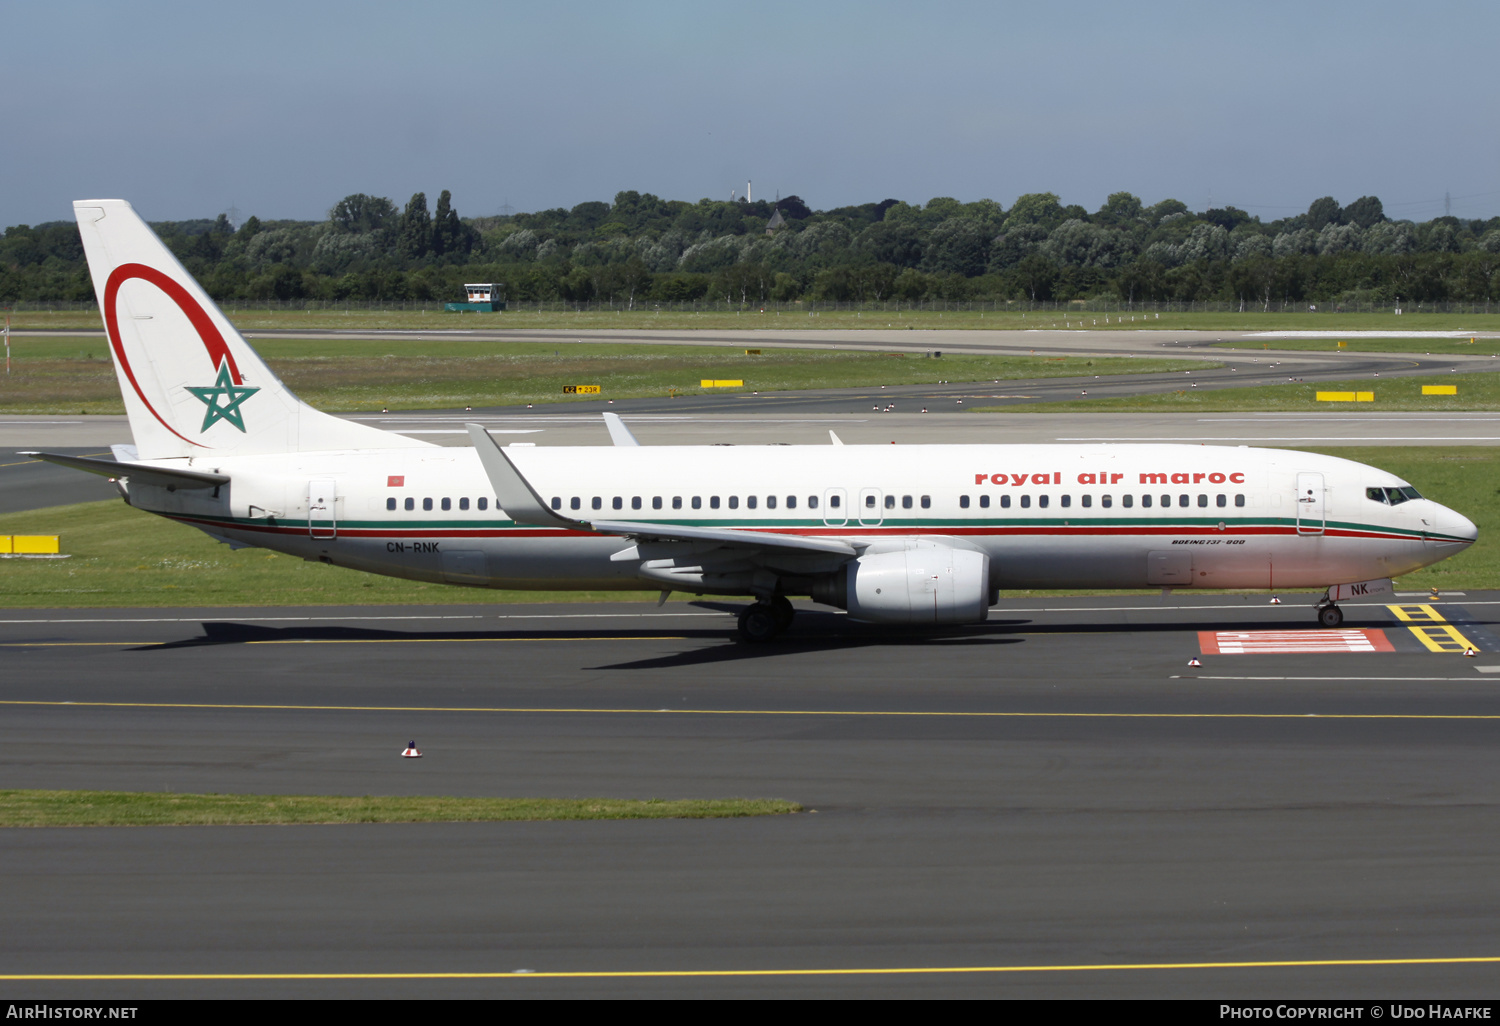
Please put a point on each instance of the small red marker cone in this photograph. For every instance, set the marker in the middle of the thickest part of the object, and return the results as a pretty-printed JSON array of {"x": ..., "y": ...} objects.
[
  {"x": 1194, "y": 662},
  {"x": 1275, "y": 601},
  {"x": 411, "y": 751},
  {"x": 1469, "y": 652}
]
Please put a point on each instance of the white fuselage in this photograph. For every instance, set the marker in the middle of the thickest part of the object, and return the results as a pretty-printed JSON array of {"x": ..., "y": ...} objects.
[{"x": 1048, "y": 516}]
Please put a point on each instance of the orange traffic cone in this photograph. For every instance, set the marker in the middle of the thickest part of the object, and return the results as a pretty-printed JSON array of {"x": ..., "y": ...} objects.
[{"x": 411, "y": 751}]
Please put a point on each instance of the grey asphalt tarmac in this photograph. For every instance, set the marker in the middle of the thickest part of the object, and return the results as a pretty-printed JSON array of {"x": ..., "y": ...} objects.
[
  {"x": 1055, "y": 787},
  {"x": 32, "y": 484}
]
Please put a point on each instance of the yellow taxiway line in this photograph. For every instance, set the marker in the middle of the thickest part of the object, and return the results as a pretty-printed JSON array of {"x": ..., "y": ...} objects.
[
  {"x": 700, "y": 973},
  {"x": 269, "y": 707}
]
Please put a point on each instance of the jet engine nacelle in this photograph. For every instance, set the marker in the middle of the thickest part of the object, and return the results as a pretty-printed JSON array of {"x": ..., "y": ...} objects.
[{"x": 926, "y": 583}]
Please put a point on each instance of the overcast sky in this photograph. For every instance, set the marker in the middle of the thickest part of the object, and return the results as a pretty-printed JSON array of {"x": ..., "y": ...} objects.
[{"x": 279, "y": 109}]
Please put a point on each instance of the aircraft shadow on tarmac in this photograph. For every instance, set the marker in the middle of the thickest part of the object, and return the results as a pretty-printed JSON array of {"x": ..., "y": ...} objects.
[
  {"x": 813, "y": 631},
  {"x": 229, "y": 633}
]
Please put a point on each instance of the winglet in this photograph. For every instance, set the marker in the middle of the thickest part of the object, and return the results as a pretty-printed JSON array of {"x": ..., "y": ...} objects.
[
  {"x": 836, "y": 439},
  {"x": 618, "y": 432},
  {"x": 520, "y": 502}
]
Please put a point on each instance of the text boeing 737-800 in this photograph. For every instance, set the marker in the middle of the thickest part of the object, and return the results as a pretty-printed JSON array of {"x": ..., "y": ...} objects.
[{"x": 920, "y": 534}]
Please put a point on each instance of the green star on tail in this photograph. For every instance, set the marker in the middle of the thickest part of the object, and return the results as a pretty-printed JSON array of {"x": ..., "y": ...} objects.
[{"x": 234, "y": 394}]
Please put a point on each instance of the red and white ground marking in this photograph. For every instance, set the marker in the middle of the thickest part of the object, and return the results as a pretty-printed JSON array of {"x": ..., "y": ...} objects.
[{"x": 1299, "y": 642}]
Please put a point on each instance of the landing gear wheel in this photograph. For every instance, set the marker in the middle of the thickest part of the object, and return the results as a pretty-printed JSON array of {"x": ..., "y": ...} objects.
[
  {"x": 759, "y": 623},
  {"x": 784, "y": 611},
  {"x": 1330, "y": 616}
]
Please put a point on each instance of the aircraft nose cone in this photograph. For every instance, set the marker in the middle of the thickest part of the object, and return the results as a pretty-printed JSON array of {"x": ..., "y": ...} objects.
[{"x": 1454, "y": 525}]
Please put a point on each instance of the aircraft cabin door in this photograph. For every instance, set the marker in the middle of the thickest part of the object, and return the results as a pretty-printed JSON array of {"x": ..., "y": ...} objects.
[
  {"x": 1310, "y": 508},
  {"x": 322, "y": 515}
]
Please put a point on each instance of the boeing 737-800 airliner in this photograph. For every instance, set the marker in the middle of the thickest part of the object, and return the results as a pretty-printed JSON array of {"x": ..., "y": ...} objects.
[{"x": 919, "y": 534}]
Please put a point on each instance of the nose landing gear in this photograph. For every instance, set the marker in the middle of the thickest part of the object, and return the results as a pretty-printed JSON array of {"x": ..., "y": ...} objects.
[{"x": 1330, "y": 615}]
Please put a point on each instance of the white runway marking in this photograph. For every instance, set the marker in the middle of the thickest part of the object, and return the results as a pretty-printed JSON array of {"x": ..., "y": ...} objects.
[
  {"x": 1287, "y": 438},
  {"x": 594, "y": 419},
  {"x": 1182, "y": 676},
  {"x": 1293, "y": 642},
  {"x": 1324, "y": 418},
  {"x": 1369, "y": 334}
]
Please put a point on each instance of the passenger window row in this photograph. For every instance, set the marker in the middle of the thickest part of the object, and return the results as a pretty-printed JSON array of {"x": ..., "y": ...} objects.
[
  {"x": 890, "y": 501},
  {"x": 696, "y": 502},
  {"x": 481, "y": 503},
  {"x": 1392, "y": 496},
  {"x": 1106, "y": 501}
]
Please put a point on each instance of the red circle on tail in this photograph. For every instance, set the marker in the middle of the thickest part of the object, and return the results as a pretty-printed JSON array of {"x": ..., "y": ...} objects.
[{"x": 208, "y": 333}]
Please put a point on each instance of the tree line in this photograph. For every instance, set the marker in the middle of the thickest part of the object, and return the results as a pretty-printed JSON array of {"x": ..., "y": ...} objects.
[{"x": 642, "y": 250}]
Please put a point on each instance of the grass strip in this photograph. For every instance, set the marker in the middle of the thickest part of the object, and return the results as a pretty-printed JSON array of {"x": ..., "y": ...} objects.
[
  {"x": 75, "y": 376},
  {"x": 135, "y": 808},
  {"x": 998, "y": 317},
  {"x": 121, "y": 557},
  {"x": 1476, "y": 392}
]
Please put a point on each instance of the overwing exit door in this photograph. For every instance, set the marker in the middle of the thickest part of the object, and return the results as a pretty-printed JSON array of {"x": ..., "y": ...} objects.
[{"x": 1310, "y": 511}]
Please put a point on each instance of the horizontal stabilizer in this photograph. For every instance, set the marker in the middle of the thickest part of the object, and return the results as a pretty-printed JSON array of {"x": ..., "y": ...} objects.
[{"x": 163, "y": 477}]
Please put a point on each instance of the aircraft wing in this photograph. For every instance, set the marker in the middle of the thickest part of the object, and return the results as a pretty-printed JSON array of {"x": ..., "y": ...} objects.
[
  {"x": 523, "y": 505},
  {"x": 729, "y": 536},
  {"x": 163, "y": 477}
]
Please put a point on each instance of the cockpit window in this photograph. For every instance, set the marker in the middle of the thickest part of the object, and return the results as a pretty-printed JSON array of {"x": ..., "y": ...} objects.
[{"x": 1392, "y": 496}]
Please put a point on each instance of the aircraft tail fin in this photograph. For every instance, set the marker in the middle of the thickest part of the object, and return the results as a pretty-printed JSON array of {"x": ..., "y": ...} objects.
[{"x": 192, "y": 385}]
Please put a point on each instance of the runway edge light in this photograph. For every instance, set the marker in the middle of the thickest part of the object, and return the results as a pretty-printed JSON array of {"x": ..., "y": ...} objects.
[{"x": 411, "y": 751}]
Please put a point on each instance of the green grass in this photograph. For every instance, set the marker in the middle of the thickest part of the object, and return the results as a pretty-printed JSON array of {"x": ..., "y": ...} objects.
[
  {"x": 1476, "y": 392},
  {"x": 1425, "y": 346},
  {"x": 128, "y": 808},
  {"x": 70, "y": 375},
  {"x": 519, "y": 318},
  {"x": 1463, "y": 478},
  {"x": 123, "y": 557}
]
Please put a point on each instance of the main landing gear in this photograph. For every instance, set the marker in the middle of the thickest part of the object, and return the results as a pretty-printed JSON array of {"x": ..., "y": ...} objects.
[
  {"x": 765, "y": 620},
  {"x": 1330, "y": 615}
]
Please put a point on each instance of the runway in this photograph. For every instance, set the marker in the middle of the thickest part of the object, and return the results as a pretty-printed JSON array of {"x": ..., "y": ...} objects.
[{"x": 1056, "y": 787}]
